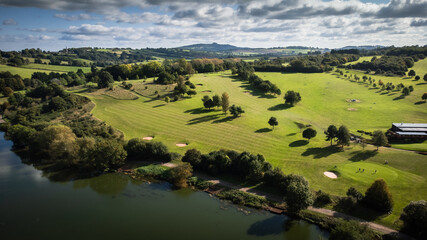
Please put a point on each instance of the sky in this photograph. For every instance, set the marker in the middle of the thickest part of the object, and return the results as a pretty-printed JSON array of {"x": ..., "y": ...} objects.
[{"x": 57, "y": 24}]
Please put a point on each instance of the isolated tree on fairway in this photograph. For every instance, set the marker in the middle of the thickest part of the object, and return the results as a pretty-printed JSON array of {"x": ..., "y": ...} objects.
[
  {"x": 217, "y": 101},
  {"x": 105, "y": 79},
  {"x": 424, "y": 97},
  {"x": 208, "y": 104},
  {"x": 273, "y": 122},
  {"x": 411, "y": 73},
  {"x": 414, "y": 217},
  {"x": 236, "y": 110},
  {"x": 379, "y": 139},
  {"x": 331, "y": 133},
  {"x": 225, "y": 102},
  {"x": 167, "y": 99},
  {"x": 298, "y": 194},
  {"x": 292, "y": 97},
  {"x": 309, "y": 133},
  {"x": 379, "y": 197},
  {"x": 191, "y": 92},
  {"x": 343, "y": 136},
  {"x": 425, "y": 77},
  {"x": 417, "y": 78}
]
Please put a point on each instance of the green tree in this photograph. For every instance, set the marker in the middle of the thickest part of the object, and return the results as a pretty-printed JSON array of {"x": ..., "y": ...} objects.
[
  {"x": 225, "y": 102},
  {"x": 424, "y": 97},
  {"x": 21, "y": 135},
  {"x": 191, "y": 92},
  {"x": 236, "y": 111},
  {"x": 167, "y": 99},
  {"x": 292, "y": 97},
  {"x": 331, "y": 133},
  {"x": 379, "y": 139},
  {"x": 298, "y": 194},
  {"x": 417, "y": 78},
  {"x": 58, "y": 142},
  {"x": 309, "y": 133},
  {"x": 217, "y": 100},
  {"x": 273, "y": 122},
  {"x": 107, "y": 154},
  {"x": 411, "y": 73},
  {"x": 194, "y": 157},
  {"x": 105, "y": 79},
  {"x": 7, "y": 91},
  {"x": 343, "y": 136},
  {"x": 425, "y": 77},
  {"x": 414, "y": 217},
  {"x": 379, "y": 197}
]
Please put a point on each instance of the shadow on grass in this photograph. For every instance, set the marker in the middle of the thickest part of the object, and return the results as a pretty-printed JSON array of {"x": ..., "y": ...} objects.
[
  {"x": 399, "y": 97},
  {"x": 226, "y": 119},
  {"x": 199, "y": 110},
  {"x": 321, "y": 152},
  {"x": 263, "y": 130},
  {"x": 279, "y": 107},
  {"x": 362, "y": 155},
  {"x": 298, "y": 143},
  {"x": 291, "y": 134},
  {"x": 160, "y": 105},
  {"x": 359, "y": 211},
  {"x": 203, "y": 119},
  {"x": 420, "y": 102},
  {"x": 270, "y": 226},
  {"x": 421, "y": 83}
]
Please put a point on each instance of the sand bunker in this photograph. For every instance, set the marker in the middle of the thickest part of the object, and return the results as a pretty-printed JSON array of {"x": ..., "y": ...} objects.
[
  {"x": 181, "y": 144},
  {"x": 353, "y": 100},
  {"x": 148, "y": 138},
  {"x": 330, "y": 175},
  {"x": 206, "y": 91},
  {"x": 352, "y": 109}
]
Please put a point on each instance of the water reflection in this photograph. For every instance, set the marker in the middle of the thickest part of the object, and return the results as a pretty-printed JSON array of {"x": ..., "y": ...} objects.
[
  {"x": 110, "y": 184},
  {"x": 270, "y": 226}
]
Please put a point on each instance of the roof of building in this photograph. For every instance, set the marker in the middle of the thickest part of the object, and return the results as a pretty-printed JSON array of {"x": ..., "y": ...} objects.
[
  {"x": 410, "y": 125},
  {"x": 406, "y": 129},
  {"x": 412, "y": 133}
]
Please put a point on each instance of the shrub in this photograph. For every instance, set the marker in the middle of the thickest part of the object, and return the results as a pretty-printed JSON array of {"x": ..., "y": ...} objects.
[
  {"x": 322, "y": 198},
  {"x": 243, "y": 198},
  {"x": 351, "y": 230},
  {"x": 352, "y": 192},
  {"x": 178, "y": 175},
  {"x": 194, "y": 157}
]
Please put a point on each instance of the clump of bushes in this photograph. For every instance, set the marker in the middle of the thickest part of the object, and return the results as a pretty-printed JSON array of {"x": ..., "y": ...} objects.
[
  {"x": 139, "y": 149},
  {"x": 243, "y": 198}
]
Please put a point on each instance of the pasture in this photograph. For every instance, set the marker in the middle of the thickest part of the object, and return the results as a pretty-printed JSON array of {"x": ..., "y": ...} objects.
[
  {"x": 25, "y": 71},
  {"x": 325, "y": 101}
]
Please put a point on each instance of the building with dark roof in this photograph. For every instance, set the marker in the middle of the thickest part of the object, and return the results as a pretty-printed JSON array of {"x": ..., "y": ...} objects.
[{"x": 415, "y": 131}]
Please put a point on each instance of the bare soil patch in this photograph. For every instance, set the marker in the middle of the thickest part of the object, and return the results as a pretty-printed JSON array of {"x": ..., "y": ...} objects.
[
  {"x": 148, "y": 138},
  {"x": 352, "y": 109}
]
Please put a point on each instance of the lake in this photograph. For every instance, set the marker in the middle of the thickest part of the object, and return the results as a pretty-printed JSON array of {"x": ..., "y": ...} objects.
[{"x": 112, "y": 206}]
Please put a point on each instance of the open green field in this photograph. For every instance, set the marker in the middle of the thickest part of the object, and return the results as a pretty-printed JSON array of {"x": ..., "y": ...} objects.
[
  {"x": 324, "y": 102},
  {"x": 55, "y": 68},
  {"x": 26, "y": 71},
  {"x": 361, "y": 59},
  {"x": 23, "y": 72}
]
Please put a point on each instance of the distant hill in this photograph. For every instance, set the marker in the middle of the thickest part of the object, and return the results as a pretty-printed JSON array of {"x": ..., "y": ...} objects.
[
  {"x": 212, "y": 47},
  {"x": 367, "y": 47}
]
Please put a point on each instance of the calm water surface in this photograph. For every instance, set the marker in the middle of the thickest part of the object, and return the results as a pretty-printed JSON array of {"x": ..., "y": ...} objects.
[{"x": 112, "y": 206}]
